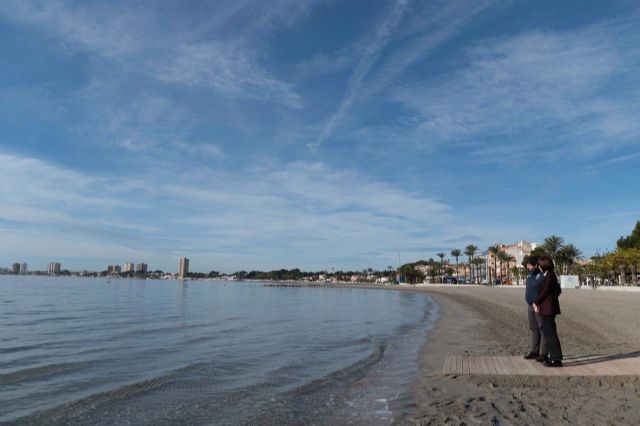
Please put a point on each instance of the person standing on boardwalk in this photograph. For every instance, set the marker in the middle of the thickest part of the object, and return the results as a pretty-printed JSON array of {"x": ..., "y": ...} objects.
[
  {"x": 548, "y": 306},
  {"x": 539, "y": 350}
]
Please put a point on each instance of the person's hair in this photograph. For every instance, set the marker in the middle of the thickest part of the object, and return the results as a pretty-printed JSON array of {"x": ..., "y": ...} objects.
[
  {"x": 532, "y": 260},
  {"x": 546, "y": 263}
]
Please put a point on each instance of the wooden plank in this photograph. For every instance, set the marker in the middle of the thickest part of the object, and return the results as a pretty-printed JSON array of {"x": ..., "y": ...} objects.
[
  {"x": 454, "y": 365},
  {"x": 465, "y": 365},
  {"x": 509, "y": 365},
  {"x": 491, "y": 362},
  {"x": 506, "y": 365},
  {"x": 472, "y": 365},
  {"x": 529, "y": 366},
  {"x": 485, "y": 365},
  {"x": 630, "y": 366},
  {"x": 499, "y": 366},
  {"x": 607, "y": 368},
  {"x": 452, "y": 368},
  {"x": 445, "y": 368},
  {"x": 618, "y": 367},
  {"x": 579, "y": 370},
  {"x": 476, "y": 365},
  {"x": 589, "y": 369},
  {"x": 522, "y": 366},
  {"x": 515, "y": 365}
]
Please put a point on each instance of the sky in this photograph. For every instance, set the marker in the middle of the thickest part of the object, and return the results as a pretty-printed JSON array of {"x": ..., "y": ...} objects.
[{"x": 323, "y": 135}]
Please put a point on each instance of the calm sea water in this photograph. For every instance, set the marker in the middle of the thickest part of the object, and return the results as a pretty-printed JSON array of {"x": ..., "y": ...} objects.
[{"x": 93, "y": 351}]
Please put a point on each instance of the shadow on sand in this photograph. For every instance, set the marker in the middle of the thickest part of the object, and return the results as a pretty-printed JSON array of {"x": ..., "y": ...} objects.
[{"x": 577, "y": 360}]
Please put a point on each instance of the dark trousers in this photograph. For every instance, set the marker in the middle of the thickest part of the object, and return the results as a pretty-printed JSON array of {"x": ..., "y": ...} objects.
[
  {"x": 551, "y": 334},
  {"x": 538, "y": 342}
]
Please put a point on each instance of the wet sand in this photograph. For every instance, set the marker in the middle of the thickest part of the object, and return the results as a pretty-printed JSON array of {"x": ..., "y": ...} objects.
[{"x": 488, "y": 320}]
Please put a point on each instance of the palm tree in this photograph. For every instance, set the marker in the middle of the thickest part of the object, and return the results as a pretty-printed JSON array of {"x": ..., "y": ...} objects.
[
  {"x": 441, "y": 256},
  {"x": 456, "y": 253},
  {"x": 568, "y": 255},
  {"x": 502, "y": 257},
  {"x": 517, "y": 272},
  {"x": 509, "y": 261},
  {"x": 494, "y": 250},
  {"x": 509, "y": 258},
  {"x": 470, "y": 251},
  {"x": 552, "y": 245},
  {"x": 478, "y": 262}
]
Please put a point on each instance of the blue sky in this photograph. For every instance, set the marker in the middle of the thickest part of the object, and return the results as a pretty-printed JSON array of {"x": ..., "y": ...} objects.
[{"x": 313, "y": 134}]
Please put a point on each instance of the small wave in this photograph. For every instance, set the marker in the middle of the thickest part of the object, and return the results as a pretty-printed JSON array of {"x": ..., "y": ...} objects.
[
  {"x": 345, "y": 374},
  {"x": 20, "y": 349},
  {"x": 76, "y": 408},
  {"x": 40, "y": 372}
]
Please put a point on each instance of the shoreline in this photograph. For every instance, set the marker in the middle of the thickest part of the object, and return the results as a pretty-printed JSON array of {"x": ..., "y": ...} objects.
[{"x": 485, "y": 320}]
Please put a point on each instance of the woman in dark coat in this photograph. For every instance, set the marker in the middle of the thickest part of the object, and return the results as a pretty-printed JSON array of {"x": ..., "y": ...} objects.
[{"x": 548, "y": 306}]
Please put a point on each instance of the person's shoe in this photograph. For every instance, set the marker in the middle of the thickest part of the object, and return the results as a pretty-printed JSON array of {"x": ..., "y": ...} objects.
[
  {"x": 556, "y": 363},
  {"x": 542, "y": 358},
  {"x": 531, "y": 355}
]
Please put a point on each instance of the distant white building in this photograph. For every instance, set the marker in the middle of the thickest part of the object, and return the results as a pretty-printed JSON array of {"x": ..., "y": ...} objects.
[
  {"x": 129, "y": 267},
  {"x": 53, "y": 268},
  {"x": 520, "y": 250},
  {"x": 23, "y": 269},
  {"x": 183, "y": 267}
]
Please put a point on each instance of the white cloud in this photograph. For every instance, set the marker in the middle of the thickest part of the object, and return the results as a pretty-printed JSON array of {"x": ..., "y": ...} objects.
[
  {"x": 429, "y": 27},
  {"x": 252, "y": 214},
  {"x": 104, "y": 29},
  {"x": 133, "y": 40},
  {"x": 38, "y": 192},
  {"x": 226, "y": 67},
  {"x": 367, "y": 61},
  {"x": 534, "y": 81}
]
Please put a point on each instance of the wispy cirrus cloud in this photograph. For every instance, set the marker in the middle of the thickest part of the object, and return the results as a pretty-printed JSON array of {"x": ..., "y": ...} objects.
[
  {"x": 138, "y": 61},
  {"x": 429, "y": 26},
  {"x": 533, "y": 82},
  {"x": 367, "y": 60},
  {"x": 227, "y": 68}
]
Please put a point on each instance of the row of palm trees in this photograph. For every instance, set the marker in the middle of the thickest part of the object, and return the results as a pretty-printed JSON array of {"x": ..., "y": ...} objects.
[
  {"x": 504, "y": 268},
  {"x": 477, "y": 262}
]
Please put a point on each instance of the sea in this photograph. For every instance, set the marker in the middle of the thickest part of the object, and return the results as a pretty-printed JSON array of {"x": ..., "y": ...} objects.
[{"x": 79, "y": 351}]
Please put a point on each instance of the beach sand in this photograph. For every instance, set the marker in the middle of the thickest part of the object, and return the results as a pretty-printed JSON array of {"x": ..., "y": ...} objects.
[{"x": 490, "y": 320}]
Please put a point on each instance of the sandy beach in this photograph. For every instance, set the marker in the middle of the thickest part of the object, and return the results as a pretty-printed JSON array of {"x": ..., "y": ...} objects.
[{"x": 488, "y": 320}]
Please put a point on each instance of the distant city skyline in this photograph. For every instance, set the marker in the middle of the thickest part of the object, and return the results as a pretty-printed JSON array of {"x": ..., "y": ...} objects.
[{"x": 313, "y": 134}]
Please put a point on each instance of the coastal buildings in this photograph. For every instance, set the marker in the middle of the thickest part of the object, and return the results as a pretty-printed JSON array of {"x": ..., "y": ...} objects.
[
  {"x": 113, "y": 269},
  {"x": 15, "y": 268},
  {"x": 23, "y": 269},
  {"x": 128, "y": 267},
  {"x": 53, "y": 268},
  {"x": 183, "y": 267},
  {"x": 141, "y": 268},
  {"x": 518, "y": 251}
]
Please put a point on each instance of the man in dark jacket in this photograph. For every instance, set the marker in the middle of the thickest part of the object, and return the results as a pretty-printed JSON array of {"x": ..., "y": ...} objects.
[
  {"x": 539, "y": 350},
  {"x": 548, "y": 306}
]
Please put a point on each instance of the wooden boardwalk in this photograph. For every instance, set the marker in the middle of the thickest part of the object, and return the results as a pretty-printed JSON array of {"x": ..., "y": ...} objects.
[{"x": 592, "y": 365}]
